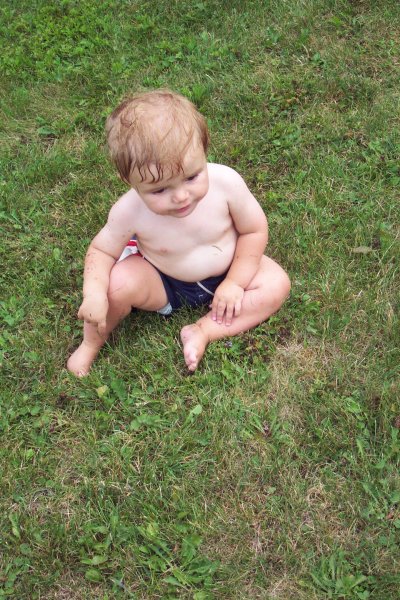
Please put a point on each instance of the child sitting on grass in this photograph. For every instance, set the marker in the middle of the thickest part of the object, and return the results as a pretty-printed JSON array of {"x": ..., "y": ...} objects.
[{"x": 199, "y": 232}]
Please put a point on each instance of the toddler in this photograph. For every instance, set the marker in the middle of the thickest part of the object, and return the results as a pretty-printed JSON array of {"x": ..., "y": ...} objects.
[{"x": 187, "y": 232}]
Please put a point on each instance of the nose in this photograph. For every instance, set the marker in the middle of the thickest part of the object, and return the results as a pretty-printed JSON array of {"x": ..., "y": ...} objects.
[{"x": 180, "y": 195}]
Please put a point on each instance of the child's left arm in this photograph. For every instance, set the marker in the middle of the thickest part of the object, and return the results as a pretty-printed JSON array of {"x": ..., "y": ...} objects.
[{"x": 252, "y": 227}]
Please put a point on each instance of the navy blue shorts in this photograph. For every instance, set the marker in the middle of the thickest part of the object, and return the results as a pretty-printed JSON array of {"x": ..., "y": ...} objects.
[
  {"x": 180, "y": 293},
  {"x": 184, "y": 293}
]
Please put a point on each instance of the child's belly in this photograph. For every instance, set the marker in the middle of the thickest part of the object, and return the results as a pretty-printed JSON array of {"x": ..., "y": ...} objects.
[{"x": 180, "y": 260}]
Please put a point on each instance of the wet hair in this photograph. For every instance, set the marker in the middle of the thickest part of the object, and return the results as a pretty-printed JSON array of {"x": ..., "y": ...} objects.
[{"x": 151, "y": 132}]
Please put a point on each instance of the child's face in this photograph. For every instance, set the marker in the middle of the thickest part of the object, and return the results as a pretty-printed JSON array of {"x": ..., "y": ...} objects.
[{"x": 176, "y": 196}]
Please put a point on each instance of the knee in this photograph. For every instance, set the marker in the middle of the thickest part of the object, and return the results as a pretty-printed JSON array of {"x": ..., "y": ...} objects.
[
  {"x": 117, "y": 280},
  {"x": 285, "y": 285},
  {"x": 127, "y": 286},
  {"x": 280, "y": 290},
  {"x": 119, "y": 286}
]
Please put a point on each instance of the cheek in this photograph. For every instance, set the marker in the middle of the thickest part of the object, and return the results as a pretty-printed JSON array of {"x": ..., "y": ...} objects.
[
  {"x": 204, "y": 190},
  {"x": 203, "y": 187},
  {"x": 153, "y": 204}
]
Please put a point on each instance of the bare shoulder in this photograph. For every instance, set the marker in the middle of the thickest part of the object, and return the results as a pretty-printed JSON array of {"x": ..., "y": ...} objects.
[
  {"x": 246, "y": 212},
  {"x": 122, "y": 222},
  {"x": 230, "y": 183},
  {"x": 125, "y": 206},
  {"x": 125, "y": 213},
  {"x": 224, "y": 175},
  {"x": 120, "y": 225}
]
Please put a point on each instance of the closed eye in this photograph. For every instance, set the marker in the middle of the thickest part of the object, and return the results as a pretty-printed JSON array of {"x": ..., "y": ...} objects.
[
  {"x": 192, "y": 177},
  {"x": 160, "y": 191}
]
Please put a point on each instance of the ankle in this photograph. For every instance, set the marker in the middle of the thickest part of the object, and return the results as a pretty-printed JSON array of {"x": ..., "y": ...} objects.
[
  {"x": 93, "y": 345},
  {"x": 203, "y": 330}
]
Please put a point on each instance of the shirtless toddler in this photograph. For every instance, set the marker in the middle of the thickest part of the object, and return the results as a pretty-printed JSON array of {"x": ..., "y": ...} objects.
[{"x": 200, "y": 234}]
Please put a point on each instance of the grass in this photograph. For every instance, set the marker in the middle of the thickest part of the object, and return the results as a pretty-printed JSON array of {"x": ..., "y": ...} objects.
[{"x": 273, "y": 472}]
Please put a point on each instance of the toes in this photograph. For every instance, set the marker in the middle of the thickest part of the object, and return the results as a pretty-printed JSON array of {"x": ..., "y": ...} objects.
[
  {"x": 82, "y": 373},
  {"x": 192, "y": 363},
  {"x": 191, "y": 359},
  {"x": 78, "y": 364},
  {"x": 193, "y": 346}
]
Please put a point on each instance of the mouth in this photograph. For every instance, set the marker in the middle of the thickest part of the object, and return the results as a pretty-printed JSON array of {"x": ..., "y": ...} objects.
[{"x": 183, "y": 209}]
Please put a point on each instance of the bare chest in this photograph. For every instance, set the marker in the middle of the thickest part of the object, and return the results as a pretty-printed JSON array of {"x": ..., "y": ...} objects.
[{"x": 175, "y": 236}]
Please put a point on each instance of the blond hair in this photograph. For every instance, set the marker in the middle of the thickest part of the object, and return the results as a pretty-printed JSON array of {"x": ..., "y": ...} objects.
[{"x": 152, "y": 131}]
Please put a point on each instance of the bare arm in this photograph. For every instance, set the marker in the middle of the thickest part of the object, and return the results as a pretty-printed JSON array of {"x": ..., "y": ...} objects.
[
  {"x": 251, "y": 224},
  {"x": 101, "y": 256},
  {"x": 96, "y": 273},
  {"x": 252, "y": 227},
  {"x": 249, "y": 250}
]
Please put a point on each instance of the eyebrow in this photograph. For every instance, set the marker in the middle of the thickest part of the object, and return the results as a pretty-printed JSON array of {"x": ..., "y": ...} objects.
[
  {"x": 155, "y": 186},
  {"x": 160, "y": 183}
]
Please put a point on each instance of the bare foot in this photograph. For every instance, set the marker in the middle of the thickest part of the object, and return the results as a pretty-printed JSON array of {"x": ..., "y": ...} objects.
[
  {"x": 194, "y": 343},
  {"x": 81, "y": 360}
]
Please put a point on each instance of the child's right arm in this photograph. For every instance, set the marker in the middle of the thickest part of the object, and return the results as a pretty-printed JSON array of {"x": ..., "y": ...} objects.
[
  {"x": 102, "y": 254},
  {"x": 96, "y": 276}
]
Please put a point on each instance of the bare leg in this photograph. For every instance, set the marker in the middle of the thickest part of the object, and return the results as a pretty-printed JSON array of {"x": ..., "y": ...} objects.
[
  {"x": 265, "y": 295},
  {"x": 134, "y": 282}
]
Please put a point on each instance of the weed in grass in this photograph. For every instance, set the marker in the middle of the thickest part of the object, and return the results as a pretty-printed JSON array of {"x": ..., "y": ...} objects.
[{"x": 336, "y": 577}]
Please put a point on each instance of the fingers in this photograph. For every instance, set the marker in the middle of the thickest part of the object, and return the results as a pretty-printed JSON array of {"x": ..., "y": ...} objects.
[
  {"x": 232, "y": 310},
  {"x": 213, "y": 307},
  {"x": 221, "y": 310},
  {"x": 99, "y": 323},
  {"x": 217, "y": 310},
  {"x": 227, "y": 302},
  {"x": 238, "y": 308},
  {"x": 230, "y": 307}
]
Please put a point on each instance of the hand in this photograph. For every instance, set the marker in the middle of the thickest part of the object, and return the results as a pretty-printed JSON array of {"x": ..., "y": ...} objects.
[
  {"x": 94, "y": 310},
  {"x": 227, "y": 301}
]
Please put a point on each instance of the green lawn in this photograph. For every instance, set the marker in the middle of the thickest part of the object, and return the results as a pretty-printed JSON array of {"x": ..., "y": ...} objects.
[{"x": 273, "y": 472}]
